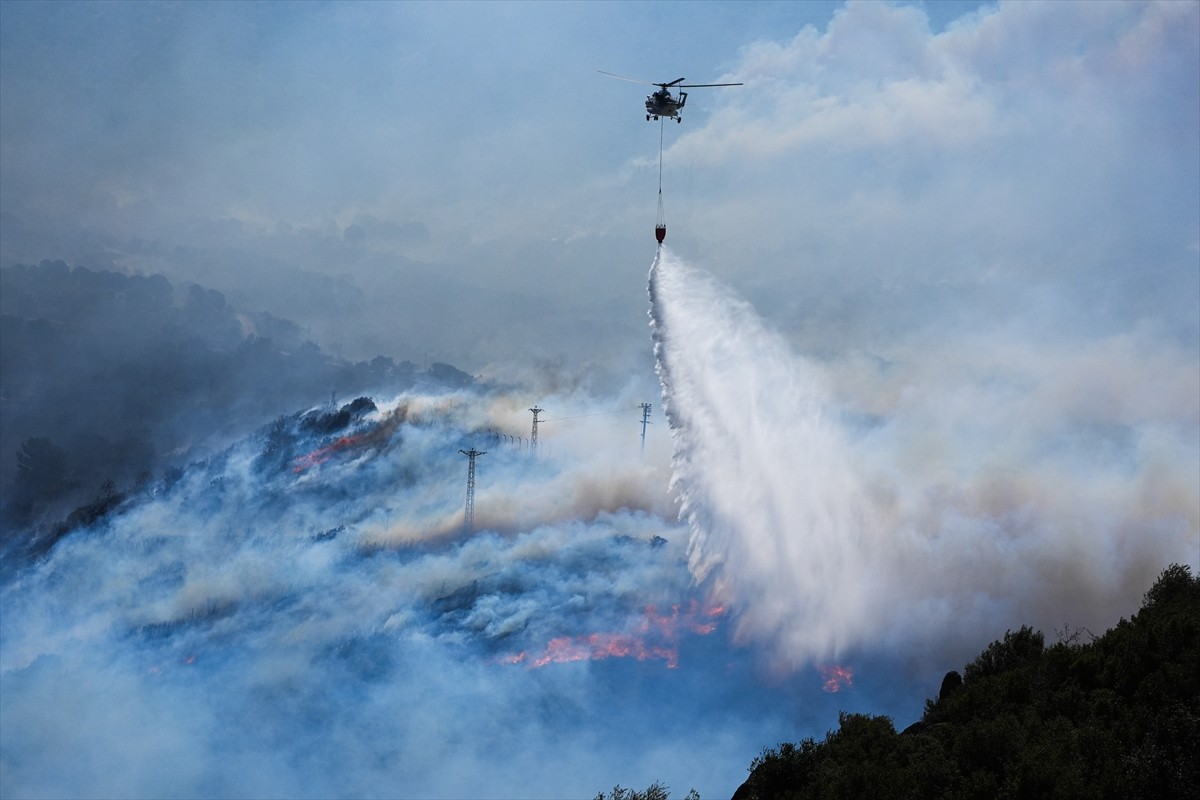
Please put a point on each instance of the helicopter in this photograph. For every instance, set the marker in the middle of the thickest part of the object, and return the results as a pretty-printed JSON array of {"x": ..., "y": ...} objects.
[{"x": 662, "y": 103}]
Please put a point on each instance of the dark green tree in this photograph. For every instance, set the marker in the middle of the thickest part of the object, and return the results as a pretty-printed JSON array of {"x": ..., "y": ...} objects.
[
  {"x": 1118, "y": 717},
  {"x": 655, "y": 791}
]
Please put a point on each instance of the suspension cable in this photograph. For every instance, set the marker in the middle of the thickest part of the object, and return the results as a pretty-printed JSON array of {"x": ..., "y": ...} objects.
[
  {"x": 660, "y": 152},
  {"x": 593, "y": 414},
  {"x": 660, "y": 224}
]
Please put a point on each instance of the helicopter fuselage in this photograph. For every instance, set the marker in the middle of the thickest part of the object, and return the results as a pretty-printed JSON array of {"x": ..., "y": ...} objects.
[{"x": 663, "y": 104}]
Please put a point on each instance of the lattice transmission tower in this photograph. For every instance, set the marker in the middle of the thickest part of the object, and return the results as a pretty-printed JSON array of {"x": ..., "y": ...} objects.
[
  {"x": 469, "y": 513},
  {"x": 645, "y": 421},
  {"x": 533, "y": 435}
]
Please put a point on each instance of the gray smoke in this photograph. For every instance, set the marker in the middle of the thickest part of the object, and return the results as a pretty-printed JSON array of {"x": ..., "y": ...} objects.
[
  {"x": 832, "y": 534},
  {"x": 303, "y": 615}
]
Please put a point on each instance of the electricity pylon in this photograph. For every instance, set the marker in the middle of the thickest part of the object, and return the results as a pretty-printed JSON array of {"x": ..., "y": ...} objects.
[
  {"x": 469, "y": 514},
  {"x": 533, "y": 435},
  {"x": 645, "y": 421}
]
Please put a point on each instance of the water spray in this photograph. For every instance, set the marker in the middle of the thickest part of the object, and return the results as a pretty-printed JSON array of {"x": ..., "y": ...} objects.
[{"x": 761, "y": 470}]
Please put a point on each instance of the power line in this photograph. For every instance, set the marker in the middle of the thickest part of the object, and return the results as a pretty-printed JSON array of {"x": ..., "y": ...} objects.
[
  {"x": 533, "y": 435},
  {"x": 581, "y": 416}
]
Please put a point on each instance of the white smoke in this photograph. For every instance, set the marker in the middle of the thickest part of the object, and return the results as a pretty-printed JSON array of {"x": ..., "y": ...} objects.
[
  {"x": 912, "y": 529},
  {"x": 304, "y": 616}
]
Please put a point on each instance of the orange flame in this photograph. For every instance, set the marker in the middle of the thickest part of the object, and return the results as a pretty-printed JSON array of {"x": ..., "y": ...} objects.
[
  {"x": 598, "y": 646},
  {"x": 323, "y": 454},
  {"x": 836, "y": 677},
  {"x": 655, "y": 636}
]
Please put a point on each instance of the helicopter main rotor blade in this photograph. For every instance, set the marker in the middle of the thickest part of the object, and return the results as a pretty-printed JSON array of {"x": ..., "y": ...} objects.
[
  {"x": 702, "y": 85},
  {"x": 631, "y": 80},
  {"x": 672, "y": 83}
]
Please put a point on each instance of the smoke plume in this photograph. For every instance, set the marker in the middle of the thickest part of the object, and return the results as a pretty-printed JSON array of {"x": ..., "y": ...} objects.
[
  {"x": 832, "y": 533},
  {"x": 304, "y": 615}
]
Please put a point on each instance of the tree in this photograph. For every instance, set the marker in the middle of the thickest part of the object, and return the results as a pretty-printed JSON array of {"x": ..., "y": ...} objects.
[
  {"x": 1022, "y": 647},
  {"x": 655, "y": 791},
  {"x": 1118, "y": 717},
  {"x": 1175, "y": 581}
]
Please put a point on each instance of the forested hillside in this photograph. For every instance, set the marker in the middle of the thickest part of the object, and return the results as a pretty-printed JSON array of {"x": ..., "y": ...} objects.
[
  {"x": 1115, "y": 717},
  {"x": 108, "y": 380}
]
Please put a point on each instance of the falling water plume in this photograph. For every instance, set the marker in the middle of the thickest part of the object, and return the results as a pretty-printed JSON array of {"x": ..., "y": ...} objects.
[
  {"x": 762, "y": 473},
  {"x": 824, "y": 538}
]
